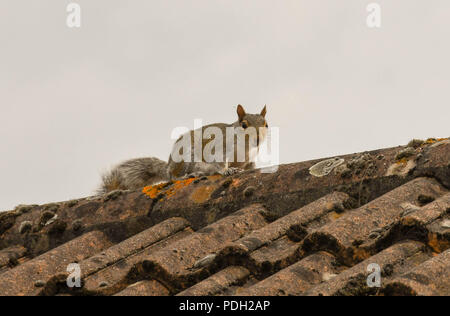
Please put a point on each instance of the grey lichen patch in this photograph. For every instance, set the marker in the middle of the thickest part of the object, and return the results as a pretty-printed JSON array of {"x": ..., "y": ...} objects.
[
  {"x": 205, "y": 261},
  {"x": 39, "y": 283},
  {"x": 445, "y": 223},
  {"x": 362, "y": 164},
  {"x": 405, "y": 153},
  {"x": 374, "y": 235},
  {"x": 328, "y": 276},
  {"x": 51, "y": 220},
  {"x": 25, "y": 226},
  {"x": 324, "y": 167},
  {"x": 408, "y": 208},
  {"x": 344, "y": 171},
  {"x": 72, "y": 203},
  {"x": 77, "y": 225},
  {"x": 249, "y": 191},
  {"x": 46, "y": 217},
  {"x": 53, "y": 207},
  {"x": 401, "y": 168},
  {"x": 415, "y": 143},
  {"x": 23, "y": 209}
]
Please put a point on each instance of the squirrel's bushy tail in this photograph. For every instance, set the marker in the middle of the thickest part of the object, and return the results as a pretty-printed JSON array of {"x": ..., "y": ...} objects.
[{"x": 134, "y": 174}]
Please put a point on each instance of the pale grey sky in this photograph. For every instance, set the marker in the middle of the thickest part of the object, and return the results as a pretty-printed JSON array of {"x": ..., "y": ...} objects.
[{"x": 74, "y": 102}]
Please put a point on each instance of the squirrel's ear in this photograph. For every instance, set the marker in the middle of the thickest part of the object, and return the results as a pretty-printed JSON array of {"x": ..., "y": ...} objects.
[
  {"x": 240, "y": 112},
  {"x": 263, "y": 112}
]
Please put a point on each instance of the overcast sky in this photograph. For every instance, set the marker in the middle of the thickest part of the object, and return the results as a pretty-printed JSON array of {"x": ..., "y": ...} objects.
[{"x": 76, "y": 101}]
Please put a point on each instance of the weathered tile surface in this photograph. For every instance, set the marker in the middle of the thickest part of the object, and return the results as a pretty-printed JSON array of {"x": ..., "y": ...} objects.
[{"x": 310, "y": 228}]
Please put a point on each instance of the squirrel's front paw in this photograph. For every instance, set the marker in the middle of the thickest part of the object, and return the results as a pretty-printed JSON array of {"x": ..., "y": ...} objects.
[{"x": 231, "y": 171}]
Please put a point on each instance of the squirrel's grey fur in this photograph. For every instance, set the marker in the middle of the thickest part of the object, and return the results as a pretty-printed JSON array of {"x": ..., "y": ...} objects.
[
  {"x": 137, "y": 173},
  {"x": 134, "y": 174}
]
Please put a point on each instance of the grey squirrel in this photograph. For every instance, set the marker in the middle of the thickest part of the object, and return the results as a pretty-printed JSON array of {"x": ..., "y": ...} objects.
[{"x": 140, "y": 172}]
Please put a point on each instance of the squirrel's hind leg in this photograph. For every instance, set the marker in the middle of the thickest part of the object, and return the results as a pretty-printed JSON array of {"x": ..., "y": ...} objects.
[
  {"x": 201, "y": 169},
  {"x": 231, "y": 171},
  {"x": 224, "y": 172}
]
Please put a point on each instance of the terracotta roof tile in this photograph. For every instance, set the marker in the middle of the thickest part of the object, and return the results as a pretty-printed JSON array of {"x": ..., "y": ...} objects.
[
  {"x": 133, "y": 245},
  {"x": 311, "y": 228},
  {"x": 352, "y": 281},
  {"x": 295, "y": 279},
  {"x": 185, "y": 262},
  {"x": 145, "y": 288},
  {"x": 9, "y": 257},
  {"x": 275, "y": 245},
  {"x": 345, "y": 236},
  {"x": 218, "y": 283},
  {"x": 23, "y": 279},
  {"x": 294, "y": 221},
  {"x": 430, "y": 212},
  {"x": 103, "y": 273},
  {"x": 114, "y": 277},
  {"x": 273, "y": 257},
  {"x": 424, "y": 223},
  {"x": 429, "y": 278},
  {"x": 120, "y": 217}
]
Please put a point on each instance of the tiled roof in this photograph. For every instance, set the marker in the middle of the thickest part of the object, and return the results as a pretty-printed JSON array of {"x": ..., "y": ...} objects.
[{"x": 311, "y": 228}]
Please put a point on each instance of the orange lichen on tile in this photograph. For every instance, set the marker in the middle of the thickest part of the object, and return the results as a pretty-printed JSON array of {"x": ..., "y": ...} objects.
[
  {"x": 436, "y": 244},
  {"x": 177, "y": 185},
  {"x": 169, "y": 189},
  {"x": 335, "y": 215},
  {"x": 360, "y": 255},
  {"x": 152, "y": 191},
  {"x": 202, "y": 193},
  {"x": 409, "y": 221},
  {"x": 434, "y": 140},
  {"x": 215, "y": 177},
  {"x": 235, "y": 182}
]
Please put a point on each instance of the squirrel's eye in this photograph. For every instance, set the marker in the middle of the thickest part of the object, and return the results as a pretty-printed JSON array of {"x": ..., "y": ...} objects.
[{"x": 244, "y": 125}]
